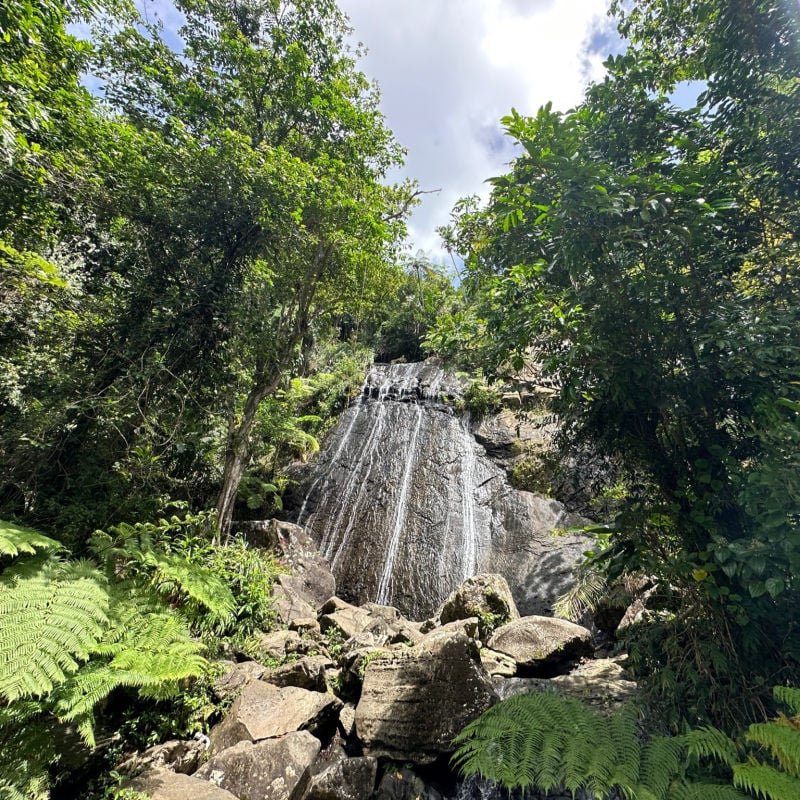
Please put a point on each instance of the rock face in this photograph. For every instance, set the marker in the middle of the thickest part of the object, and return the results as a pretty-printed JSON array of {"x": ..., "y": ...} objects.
[
  {"x": 311, "y": 579},
  {"x": 486, "y": 597},
  {"x": 345, "y": 779},
  {"x": 263, "y": 711},
  {"x": 535, "y": 642},
  {"x": 414, "y": 702},
  {"x": 161, "y": 784},
  {"x": 405, "y": 504},
  {"x": 275, "y": 769}
]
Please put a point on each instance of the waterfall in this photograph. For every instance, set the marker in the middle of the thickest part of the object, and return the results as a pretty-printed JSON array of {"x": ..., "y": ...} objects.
[{"x": 405, "y": 504}]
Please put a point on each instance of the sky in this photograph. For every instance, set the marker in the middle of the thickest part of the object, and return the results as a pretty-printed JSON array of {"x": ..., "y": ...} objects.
[{"x": 448, "y": 70}]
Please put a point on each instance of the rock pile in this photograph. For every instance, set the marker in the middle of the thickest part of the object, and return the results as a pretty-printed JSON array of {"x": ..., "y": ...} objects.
[{"x": 365, "y": 703}]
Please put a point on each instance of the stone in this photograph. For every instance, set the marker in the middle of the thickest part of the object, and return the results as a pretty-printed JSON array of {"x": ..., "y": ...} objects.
[
  {"x": 487, "y": 597},
  {"x": 498, "y": 664},
  {"x": 289, "y": 605},
  {"x": 404, "y": 784},
  {"x": 345, "y": 779},
  {"x": 601, "y": 683},
  {"x": 351, "y": 621},
  {"x": 237, "y": 677},
  {"x": 470, "y": 627},
  {"x": 162, "y": 784},
  {"x": 414, "y": 701},
  {"x": 307, "y": 673},
  {"x": 177, "y": 755},
  {"x": 263, "y": 711},
  {"x": 275, "y": 769},
  {"x": 535, "y": 642},
  {"x": 278, "y": 644},
  {"x": 305, "y": 626},
  {"x": 311, "y": 578},
  {"x": 347, "y": 720}
]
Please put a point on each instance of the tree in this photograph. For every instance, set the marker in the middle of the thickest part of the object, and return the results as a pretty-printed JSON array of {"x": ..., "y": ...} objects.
[{"x": 644, "y": 255}]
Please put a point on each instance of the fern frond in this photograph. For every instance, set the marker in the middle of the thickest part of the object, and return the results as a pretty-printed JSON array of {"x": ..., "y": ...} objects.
[
  {"x": 782, "y": 741},
  {"x": 789, "y": 696},
  {"x": 16, "y": 540},
  {"x": 705, "y": 791},
  {"x": 766, "y": 782},
  {"x": 588, "y": 589},
  {"x": 707, "y": 742},
  {"x": 52, "y": 615},
  {"x": 176, "y": 574},
  {"x": 662, "y": 758}
]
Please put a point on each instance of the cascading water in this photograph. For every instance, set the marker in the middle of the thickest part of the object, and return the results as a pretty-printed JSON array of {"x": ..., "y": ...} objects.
[{"x": 405, "y": 504}]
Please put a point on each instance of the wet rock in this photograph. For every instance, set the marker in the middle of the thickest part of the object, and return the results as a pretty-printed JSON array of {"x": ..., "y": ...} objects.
[
  {"x": 162, "y": 784},
  {"x": 310, "y": 578},
  {"x": 487, "y": 597},
  {"x": 414, "y": 702},
  {"x": 535, "y": 642},
  {"x": 274, "y": 769},
  {"x": 307, "y": 673},
  {"x": 403, "y": 784},
  {"x": 237, "y": 677},
  {"x": 345, "y": 779},
  {"x": 263, "y": 711}
]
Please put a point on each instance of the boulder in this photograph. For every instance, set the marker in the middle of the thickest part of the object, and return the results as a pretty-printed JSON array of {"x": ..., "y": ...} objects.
[
  {"x": 177, "y": 755},
  {"x": 487, "y": 597},
  {"x": 601, "y": 683},
  {"x": 413, "y": 702},
  {"x": 470, "y": 627},
  {"x": 535, "y": 642},
  {"x": 345, "y": 779},
  {"x": 162, "y": 784},
  {"x": 289, "y": 605},
  {"x": 275, "y": 769},
  {"x": 403, "y": 784},
  {"x": 263, "y": 711},
  {"x": 498, "y": 664},
  {"x": 347, "y": 720},
  {"x": 351, "y": 620},
  {"x": 311, "y": 578},
  {"x": 307, "y": 673},
  {"x": 236, "y": 677},
  {"x": 278, "y": 644}
]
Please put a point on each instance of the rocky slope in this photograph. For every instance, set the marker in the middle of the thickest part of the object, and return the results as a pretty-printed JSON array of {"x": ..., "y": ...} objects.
[{"x": 361, "y": 703}]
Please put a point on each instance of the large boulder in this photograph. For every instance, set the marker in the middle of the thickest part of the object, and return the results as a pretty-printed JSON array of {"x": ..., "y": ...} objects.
[
  {"x": 290, "y": 606},
  {"x": 413, "y": 702},
  {"x": 487, "y": 597},
  {"x": 263, "y": 711},
  {"x": 404, "y": 784},
  {"x": 162, "y": 784},
  {"x": 275, "y": 769},
  {"x": 537, "y": 642},
  {"x": 601, "y": 683},
  {"x": 311, "y": 578},
  {"x": 344, "y": 779},
  {"x": 236, "y": 677},
  {"x": 307, "y": 673}
]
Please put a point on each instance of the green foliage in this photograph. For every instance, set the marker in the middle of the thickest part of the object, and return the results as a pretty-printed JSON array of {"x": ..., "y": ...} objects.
[
  {"x": 643, "y": 255},
  {"x": 480, "y": 398},
  {"x": 547, "y": 742}
]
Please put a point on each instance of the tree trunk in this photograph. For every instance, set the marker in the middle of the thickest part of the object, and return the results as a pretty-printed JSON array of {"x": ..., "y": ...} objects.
[{"x": 237, "y": 453}]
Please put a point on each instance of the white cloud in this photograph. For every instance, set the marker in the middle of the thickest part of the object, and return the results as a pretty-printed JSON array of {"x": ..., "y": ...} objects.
[{"x": 450, "y": 69}]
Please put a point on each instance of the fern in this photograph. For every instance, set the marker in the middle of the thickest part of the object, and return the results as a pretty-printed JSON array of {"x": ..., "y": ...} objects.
[
  {"x": 16, "y": 540},
  {"x": 52, "y": 615},
  {"x": 765, "y": 781},
  {"x": 711, "y": 743}
]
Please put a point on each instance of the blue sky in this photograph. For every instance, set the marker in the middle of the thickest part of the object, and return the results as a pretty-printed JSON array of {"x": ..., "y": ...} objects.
[{"x": 448, "y": 70}]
